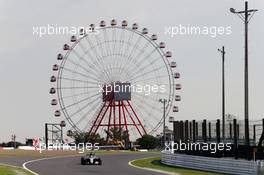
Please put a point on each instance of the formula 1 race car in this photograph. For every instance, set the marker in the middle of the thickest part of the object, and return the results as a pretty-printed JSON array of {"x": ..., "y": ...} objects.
[{"x": 91, "y": 159}]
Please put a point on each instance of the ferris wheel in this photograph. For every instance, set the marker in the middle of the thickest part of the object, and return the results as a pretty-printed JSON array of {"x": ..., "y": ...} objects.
[{"x": 88, "y": 70}]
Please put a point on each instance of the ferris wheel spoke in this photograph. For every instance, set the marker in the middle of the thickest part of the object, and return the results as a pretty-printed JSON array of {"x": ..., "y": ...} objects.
[
  {"x": 95, "y": 53},
  {"x": 139, "y": 111},
  {"x": 134, "y": 66},
  {"x": 83, "y": 107},
  {"x": 130, "y": 55},
  {"x": 147, "y": 44},
  {"x": 148, "y": 104},
  {"x": 76, "y": 95},
  {"x": 85, "y": 69},
  {"x": 77, "y": 80},
  {"x": 120, "y": 52},
  {"x": 75, "y": 72},
  {"x": 121, "y": 43},
  {"x": 123, "y": 64},
  {"x": 146, "y": 57},
  {"x": 80, "y": 87},
  {"x": 99, "y": 43},
  {"x": 144, "y": 97},
  {"x": 139, "y": 67},
  {"x": 109, "y": 51},
  {"x": 161, "y": 67},
  {"x": 77, "y": 102},
  {"x": 87, "y": 63},
  {"x": 94, "y": 62},
  {"x": 132, "y": 52},
  {"x": 131, "y": 36},
  {"x": 146, "y": 112},
  {"x": 89, "y": 123},
  {"x": 151, "y": 98},
  {"x": 141, "y": 53},
  {"x": 102, "y": 50},
  {"x": 145, "y": 73},
  {"x": 87, "y": 98},
  {"x": 107, "y": 48},
  {"x": 151, "y": 78},
  {"x": 87, "y": 113},
  {"x": 93, "y": 48},
  {"x": 114, "y": 40}
]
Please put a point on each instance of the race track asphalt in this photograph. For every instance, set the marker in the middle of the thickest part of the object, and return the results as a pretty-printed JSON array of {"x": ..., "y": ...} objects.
[{"x": 113, "y": 164}]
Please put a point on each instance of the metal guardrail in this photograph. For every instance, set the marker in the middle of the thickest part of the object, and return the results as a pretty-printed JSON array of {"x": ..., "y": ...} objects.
[{"x": 220, "y": 165}]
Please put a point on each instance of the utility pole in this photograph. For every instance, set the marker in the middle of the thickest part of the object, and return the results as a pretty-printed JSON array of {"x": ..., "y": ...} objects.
[
  {"x": 222, "y": 51},
  {"x": 244, "y": 15},
  {"x": 164, "y": 101}
]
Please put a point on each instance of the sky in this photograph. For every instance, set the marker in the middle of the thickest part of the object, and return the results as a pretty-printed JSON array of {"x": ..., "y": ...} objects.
[{"x": 26, "y": 59}]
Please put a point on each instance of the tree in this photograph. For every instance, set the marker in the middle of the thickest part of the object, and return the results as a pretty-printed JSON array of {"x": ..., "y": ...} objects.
[
  {"x": 84, "y": 137},
  {"x": 117, "y": 134},
  {"x": 148, "y": 142},
  {"x": 95, "y": 138}
]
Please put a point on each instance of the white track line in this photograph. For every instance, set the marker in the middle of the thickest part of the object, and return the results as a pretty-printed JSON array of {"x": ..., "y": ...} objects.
[
  {"x": 46, "y": 158},
  {"x": 150, "y": 169}
]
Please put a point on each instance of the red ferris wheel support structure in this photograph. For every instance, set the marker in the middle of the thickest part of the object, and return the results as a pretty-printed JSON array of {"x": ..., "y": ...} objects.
[{"x": 117, "y": 111}]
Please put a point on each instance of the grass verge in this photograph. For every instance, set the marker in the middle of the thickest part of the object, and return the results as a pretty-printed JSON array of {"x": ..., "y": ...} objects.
[
  {"x": 154, "y": 163},
  {"x": 12, "y": 170}
]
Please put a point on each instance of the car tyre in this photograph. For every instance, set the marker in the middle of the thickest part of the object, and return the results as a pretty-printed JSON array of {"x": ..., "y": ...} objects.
[{"x": 82, "y": 161}]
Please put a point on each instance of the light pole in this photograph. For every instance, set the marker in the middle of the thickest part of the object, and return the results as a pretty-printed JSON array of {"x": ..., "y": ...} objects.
[
  {"x": 164, "y": 101},
  {"x": 244, "y": 15},
  {"x": 223, "y": 91}
]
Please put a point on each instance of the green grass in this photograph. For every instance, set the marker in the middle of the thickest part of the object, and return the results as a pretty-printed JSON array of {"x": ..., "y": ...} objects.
[
  {"x": 11, "y": 170},
  {"x": 154, "y": 163}
]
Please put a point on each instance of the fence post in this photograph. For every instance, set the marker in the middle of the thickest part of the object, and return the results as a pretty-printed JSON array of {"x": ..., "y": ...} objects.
[
  {"x": 209, "y": 128},
  {"x": 190, "y": 128},
  {"x": 175, "y": 130},
  {"x": 181, "y": 130},
  {"x": 254, "y": 133},
  {"x": 197, "y": 131},
  {"x": 204, "y": 133},
  {"x": 238, "y": 132},
  {"x": 218, "y": 131},
  {"x": 230, "y": 130},
  {"x": 194, "y": 129},
  {"x": 186, "y": 132},
  {"x": 235, "y": 137}
]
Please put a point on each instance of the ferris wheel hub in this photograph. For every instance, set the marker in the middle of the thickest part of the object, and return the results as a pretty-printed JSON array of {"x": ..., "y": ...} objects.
[{"x": 117, "y": 91}]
